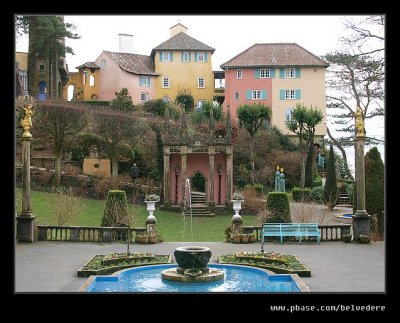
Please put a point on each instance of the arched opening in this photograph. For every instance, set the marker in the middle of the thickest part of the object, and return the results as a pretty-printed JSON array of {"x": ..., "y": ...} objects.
[
  {"x": 71, "y": 92},
  {"x": 93, "y": 97},
  {"x": 198, "y": 182},
  {"x": 91, "y": 80},
  {"x": 166, "y": 99}
]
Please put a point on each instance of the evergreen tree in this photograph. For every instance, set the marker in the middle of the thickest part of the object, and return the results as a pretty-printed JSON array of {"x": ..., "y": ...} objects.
[
  {"x": 308, "y": 180},
  {"x": 123, "y": 101},
  {"x": 374, "y": 186},
  {"x": 331, "y": 191}
]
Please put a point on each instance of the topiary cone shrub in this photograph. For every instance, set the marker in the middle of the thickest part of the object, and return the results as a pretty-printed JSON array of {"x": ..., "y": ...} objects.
[
  {"x": 116, "y": 209},
  {"x": 278, "y": 204},
  {"x": 331, "y": 192}
]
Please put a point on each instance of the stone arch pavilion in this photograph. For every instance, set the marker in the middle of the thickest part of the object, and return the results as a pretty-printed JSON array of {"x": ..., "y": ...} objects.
[{"x": 208, "y": 154}]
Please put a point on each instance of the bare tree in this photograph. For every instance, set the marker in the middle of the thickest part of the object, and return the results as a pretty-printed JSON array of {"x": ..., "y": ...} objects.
[
  {"x": 117, "y": 128},
  {"x": 66, "y": 206},
  {"x": 59, "y": 123}
]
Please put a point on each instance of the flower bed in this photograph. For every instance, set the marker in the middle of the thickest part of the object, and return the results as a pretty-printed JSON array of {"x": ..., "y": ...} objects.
[
  {"x": 95, "y": 266},
  {"x": 276, "y": 262},
  {"x": 118, "y": 258}
]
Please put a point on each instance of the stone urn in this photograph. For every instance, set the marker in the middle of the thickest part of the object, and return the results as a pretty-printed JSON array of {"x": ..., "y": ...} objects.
[
  {"x": 192, "y": 258},
  {"x": 151, "y": 207},
  {"x": 237, "y": 206}
]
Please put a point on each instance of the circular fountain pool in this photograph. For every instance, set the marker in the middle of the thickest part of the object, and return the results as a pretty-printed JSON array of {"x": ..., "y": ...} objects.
[{"x": 236, "y": 279}]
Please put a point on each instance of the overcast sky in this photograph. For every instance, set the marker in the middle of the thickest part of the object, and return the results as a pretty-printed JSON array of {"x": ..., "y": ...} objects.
[{"x": 229, "y": 35}]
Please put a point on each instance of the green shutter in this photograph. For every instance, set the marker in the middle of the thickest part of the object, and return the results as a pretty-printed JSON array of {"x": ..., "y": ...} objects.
[
  {"x": 257, "y": 70},
  {"x": 205, "y": 56},
  {"x": 263, "y": 94},
  {"x": 189, "y": 54},
  {"x": 172, "y": 56},
  {"x": 272, "y": 73},
  {"x": 149, "y": 80},
  {"x": 195, "y": 56},
  {"x": 298, "y": 94},
  {"x": 298, "y": 73},
  {"x": 160, "y": 56},
  {"x": 248, "y": 94},
  {"x": 181, "y": 56},
  {"x": 140, "y": 81},
  {"x": 282, "y": 94},
  {"x": 282, "y": 73}
]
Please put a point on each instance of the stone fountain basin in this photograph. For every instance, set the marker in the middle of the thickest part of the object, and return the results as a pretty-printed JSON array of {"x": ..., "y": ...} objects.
[{"x": 192, "y": 258}]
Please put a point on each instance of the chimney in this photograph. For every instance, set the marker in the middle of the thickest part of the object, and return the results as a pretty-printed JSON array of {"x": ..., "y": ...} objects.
[
  {"x": 176, "y": 29},
  {"x": 125, "y": 43}
]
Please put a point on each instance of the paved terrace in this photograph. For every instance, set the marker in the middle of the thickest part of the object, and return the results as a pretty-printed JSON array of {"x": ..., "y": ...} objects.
[{"x": 46, "y": 266}]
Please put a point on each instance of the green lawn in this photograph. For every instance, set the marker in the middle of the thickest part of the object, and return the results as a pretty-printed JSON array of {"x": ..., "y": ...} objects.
[{"x": 171, "y": 225}]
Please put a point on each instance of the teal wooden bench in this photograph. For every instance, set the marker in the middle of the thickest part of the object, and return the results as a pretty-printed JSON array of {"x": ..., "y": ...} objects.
[{"x": 299, "y": 230}]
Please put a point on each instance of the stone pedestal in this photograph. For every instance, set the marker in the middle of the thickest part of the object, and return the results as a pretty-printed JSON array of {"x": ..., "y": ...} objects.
[
  {"x": 25, "y": 228},
  {"x": 361, "y": 224},
  {"x": 151, "y": 227}
]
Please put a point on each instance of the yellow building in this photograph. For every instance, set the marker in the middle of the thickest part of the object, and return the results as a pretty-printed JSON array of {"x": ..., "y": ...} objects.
[
  {"x": 185, "y": 65},
  {"x": 84, "y": 82}
]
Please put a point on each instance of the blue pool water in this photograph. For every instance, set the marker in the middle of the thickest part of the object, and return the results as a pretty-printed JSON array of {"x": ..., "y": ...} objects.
[{"x": 237, "y": 279}]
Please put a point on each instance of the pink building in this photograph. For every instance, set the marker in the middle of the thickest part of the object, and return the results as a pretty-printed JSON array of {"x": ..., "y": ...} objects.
[
  {"x": 206, "y": 160},
  {"x": 279, "y": 75},
  {"x": 133, "y": 71}
]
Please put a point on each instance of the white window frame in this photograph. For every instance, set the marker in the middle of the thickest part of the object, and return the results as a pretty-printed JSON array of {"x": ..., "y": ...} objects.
[
  {"x": 91, "y": 80},
  {"x": 289, "y": 114},
  {"x": 145, "y": 96},
  {"x": 200, "y": 103},
  {"x": 201, "y": 82},
  {"x": 265, "y": 73},
  {"x": 146, "y": 82},
  {"x": 290, "y": 94},
  {"x": 239, "y": 74},
  {"x": 201, "y": 55},
  {"x": 186, "y": 56},
  {"x": 256, "y": 94},
  {"x": 290, "y": 73},
  {"x": 165, "y": 56},
  {"x": 166, "y": 83}
]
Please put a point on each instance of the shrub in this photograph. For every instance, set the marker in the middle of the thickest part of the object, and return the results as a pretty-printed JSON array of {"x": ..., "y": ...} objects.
[
  {"x": 317, "y": 183},
  {"x": 93, "y": 102},
  {"x": 374, "y": 185},
  {"x": 253, "y": 201},
  {"x": 278, "y": 204},
  {"x": 317, "y": 194},
  {"x": 301, "y": 195},
  {"x": 156, "y": 106},
  {"x": 350, "y": 191},
  {"x": 331, "y": 191},
  {"x": 116, "y": 209},
  {"x": 185, "y": 98}
]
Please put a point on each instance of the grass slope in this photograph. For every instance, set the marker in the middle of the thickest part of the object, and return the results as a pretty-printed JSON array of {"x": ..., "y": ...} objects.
[{"x": 172, "y": 226}]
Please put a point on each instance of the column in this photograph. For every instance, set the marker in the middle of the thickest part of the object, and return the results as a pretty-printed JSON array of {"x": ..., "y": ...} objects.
[
  {"x": 228, "y": 175},
  {"x": 183, "y": 157},
  {"x": 25, "y": 221},
  {"x": 211, "y": 153},
  {"x": 167, "y": 177}
]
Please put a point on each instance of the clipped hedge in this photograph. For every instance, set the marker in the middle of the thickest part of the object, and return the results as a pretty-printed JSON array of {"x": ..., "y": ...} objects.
[
  {"x": 317, "y": 194},
  {"x": 116, "y": 209},
  {"x": 301, "y": 194},
  {"x": 278, "y": 204},
  {"x": 93, "y": 102}
]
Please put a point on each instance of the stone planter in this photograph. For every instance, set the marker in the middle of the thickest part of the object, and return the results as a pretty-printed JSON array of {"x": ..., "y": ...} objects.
[
  {"x": 152, "y": 239},
  {"x": 252, "y": 238},
  {"x": 236, "y": 238},
  {"x": 151, "y": 207},
  {"x": 144, "y": 239},
  {"x": 244, "y": 238}
]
